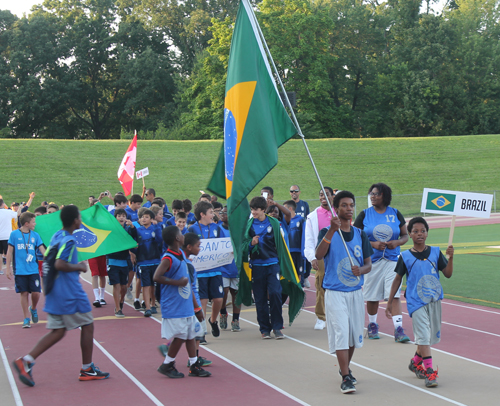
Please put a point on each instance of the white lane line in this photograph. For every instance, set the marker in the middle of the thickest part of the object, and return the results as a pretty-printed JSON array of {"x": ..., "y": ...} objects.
[
  {"x": 10, "y": 377},
  {"x": 472, "y": 308},
  {"x": 371, "y": 370}
]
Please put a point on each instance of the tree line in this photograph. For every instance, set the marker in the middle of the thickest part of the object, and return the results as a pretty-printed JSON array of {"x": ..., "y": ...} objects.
[{"x": 99, "y": 69}]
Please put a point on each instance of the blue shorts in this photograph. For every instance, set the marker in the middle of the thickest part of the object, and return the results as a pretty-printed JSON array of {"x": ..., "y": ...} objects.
[
  {"x": 147, "y": 272},
  {"x": 211, "y": 287},
  {"x": 28, "y": 283},
  {"x": 118, "y": 275}
]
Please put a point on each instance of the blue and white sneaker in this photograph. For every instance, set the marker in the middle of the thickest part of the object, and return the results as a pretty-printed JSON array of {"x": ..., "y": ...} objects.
[
  {"x": 34, "y": 315},
  {"x": 26, "y": 323},
  {"x": 400, "y": 336}
]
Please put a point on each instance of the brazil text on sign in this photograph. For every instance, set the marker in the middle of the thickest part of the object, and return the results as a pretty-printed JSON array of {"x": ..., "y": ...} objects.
[
  {"x": 456, "y": 203},
  {"x": 214, "y": 252}
]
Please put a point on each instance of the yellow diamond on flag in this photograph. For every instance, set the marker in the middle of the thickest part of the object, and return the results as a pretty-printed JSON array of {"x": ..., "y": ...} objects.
[{"x": 441, "y": 201}]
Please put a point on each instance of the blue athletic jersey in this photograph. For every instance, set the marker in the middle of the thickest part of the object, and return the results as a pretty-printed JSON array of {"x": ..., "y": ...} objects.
[
  {"x": 268, "y": 254},
  {"x": 24, "y": 245},
  {"x": 230, "y": 270},
  {"x": 171, "y": 221},
  {"x": 296, "y": 230},
  {"x": 67, "y": 296},
  {"x": 147, "y": 204},
  {"x": 176, "y": 301},
  {"x": 165, "y": 210},
  {"x": 150, "y": 245},
  {"x": 190, "y": 218},
  {"x": 131, "y": 214},
  {"x": 338, "y": 271},
  {"x": 382, "y": 227},
  {"x": 422, "y": 279},
  {"x": 205, "y": 232},
  {"x": 302, "y": 209}
]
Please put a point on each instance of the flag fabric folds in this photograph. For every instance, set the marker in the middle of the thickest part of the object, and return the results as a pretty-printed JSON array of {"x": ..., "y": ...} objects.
[
  {"x": 127, "y": 167},
  {"x": 256, "y": 124},
  {"x": 100, "y": 233}
]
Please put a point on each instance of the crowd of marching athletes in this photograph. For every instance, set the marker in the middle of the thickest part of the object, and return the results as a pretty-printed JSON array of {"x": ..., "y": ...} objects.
[{"x": 353, "y": 262}]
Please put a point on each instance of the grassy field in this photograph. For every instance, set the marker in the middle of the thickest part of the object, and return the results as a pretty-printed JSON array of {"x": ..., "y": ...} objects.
[{"x": 69, "y": 171}]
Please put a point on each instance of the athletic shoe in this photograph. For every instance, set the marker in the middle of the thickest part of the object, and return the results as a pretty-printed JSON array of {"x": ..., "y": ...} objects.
[
  {"x": 372, "y": 331},
  {"x": 203, "y": 362},
  {"x": 170, "y": 371},
  {"x": 147, "y": 313},
  {"x": 97, "y": 303},
  {"x": 235, "y": 326},
  {"x": 320, "y": 324},
  {"x": 92, "y": 374},
  {"x": 163, "y": 349},
  {"x": 307, "y": 284},
  {"x": 215, "y": 328},
  {"x": 347, "y": 386},
  {"x": 420, "y": 371},
  {"x": 278, "y": 335},
  {"x": 34, "y": 315},
  {"x": 413, "y": 367},
  {"x": 400, "y": 336},
  {"x": 197, "y": 370},
  {"x": 266, "y": 335},
  {"x": 23, "y": 368},
  {"x": 26, "y": 323},
  {"x": 143, "y": 304},
  {"x": 431, "y": 378},
  {"x": 223, "y": 321},
  {"x": 203, "y": 341},
  {"x": 121, "y": 306},
  {"x": 353, "y": 379},
  {"x": 153, "y": 310},
  {"x": 119, "y": 314},
  {"x": 137, "y": 305},
  {"x": 102, "y": 302}
]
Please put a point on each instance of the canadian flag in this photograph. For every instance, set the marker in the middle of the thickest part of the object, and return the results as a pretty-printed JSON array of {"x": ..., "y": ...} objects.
[{"x": 127, "y": 167}]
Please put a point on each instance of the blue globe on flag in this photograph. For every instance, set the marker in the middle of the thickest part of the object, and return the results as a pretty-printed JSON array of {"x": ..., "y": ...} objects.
[{"x": 230, "y": 139}]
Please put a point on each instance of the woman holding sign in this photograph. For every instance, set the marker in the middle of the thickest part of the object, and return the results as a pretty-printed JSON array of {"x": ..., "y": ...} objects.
[{"x": 386, "y": 230}]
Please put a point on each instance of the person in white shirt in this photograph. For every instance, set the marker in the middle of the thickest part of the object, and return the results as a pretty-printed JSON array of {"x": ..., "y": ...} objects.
[{"x": 6, "y": 217}]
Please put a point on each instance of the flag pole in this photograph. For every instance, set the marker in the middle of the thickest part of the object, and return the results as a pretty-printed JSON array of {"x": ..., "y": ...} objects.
[{"x": 297, "y": 126}]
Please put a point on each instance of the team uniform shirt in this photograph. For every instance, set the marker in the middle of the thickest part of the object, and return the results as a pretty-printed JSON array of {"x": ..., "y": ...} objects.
[
  {"x": 25, "y": 252},
  {"x": 147, "y": 204},
  {"x": 190, "y": 218},
  {"x": 338, "y": 272},
  {"x": 296, "y": 231},
  {"x": 205, "y": 232},
  {"x": 381, "y": 227},
  {"x": 267, "y": 252},
  {"x": 67, "y": 296},
  {"x": 131, "y": 214},
  {"x": 422, "y": 276},
  {"x": 302, "y": 209},
  {"x": 150, "y": 245},
  {"x": 171, "y": 221},
  {"x": 176, "y": 301},
  {"x": 230, "y": 270}
]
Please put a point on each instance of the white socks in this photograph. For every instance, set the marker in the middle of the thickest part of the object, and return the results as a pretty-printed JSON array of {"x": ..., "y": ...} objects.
[
  {"x": 103, "y": 292},
  {"x": 168, "y": 360},
  {"x": 96, "y": 294},
  {"x": 398, "y": 321},
  {"x": 193, "y": 360},
  {"x": 372, "y": 318}
]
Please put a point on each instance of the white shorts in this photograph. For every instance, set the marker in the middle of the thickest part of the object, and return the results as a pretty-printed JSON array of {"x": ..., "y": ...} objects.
[
  {"x": 427, "y": 324},
  {"x": 378, "y": 281},
  {"x": 231, "y": 283},
  {"x": 185, "y": 328},
  {"x": 345, "y": 318}
]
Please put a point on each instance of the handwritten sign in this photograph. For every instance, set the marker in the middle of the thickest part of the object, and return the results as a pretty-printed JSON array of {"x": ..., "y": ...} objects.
[{"x": 214, "y": 252}]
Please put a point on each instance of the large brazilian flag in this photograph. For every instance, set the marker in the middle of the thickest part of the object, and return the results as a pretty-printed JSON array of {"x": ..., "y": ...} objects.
[
  {"x": 100, "y": 233},
  {"x": 256, "y": 124}
]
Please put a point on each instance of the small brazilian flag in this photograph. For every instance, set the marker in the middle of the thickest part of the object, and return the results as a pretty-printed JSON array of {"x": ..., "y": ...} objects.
[
  {"x": 100, "y": 233},
  {"x": 440, "y": 201}
]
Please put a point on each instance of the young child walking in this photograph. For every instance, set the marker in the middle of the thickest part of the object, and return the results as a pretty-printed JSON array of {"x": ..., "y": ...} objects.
[{"x": 421, "y": 265}]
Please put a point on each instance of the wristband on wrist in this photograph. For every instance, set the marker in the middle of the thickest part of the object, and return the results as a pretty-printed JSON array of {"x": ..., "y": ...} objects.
[
  {"x": 326, "y": 240},
  {"x": 197, "y": 309}
]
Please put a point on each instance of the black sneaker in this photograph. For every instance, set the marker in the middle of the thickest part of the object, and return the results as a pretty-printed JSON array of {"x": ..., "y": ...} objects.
[
  {"x": 347, "y": 386},
  {"x": 97, "y": 303},
  {"x": 170, "y": 371},
  {"x": 215, "y": 328},
  {"x": 197, "y": 370},
  {"x": 143, "y": 304},
  {"x": 137, "y": 305},
  {"x": 147, "y": 313},
  {"x": 102, "y": 302},
  {"x": 353, "y": 379},
  {"x": 203, "y": 341}
]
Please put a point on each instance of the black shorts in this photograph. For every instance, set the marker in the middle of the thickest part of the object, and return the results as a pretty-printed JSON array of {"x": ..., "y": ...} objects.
[
  {"x": 118, "y": 275},
  {"x": 28, "y": 283},
  {"x": 147, "y": 273},
  {"x": 4, "y": 245},
  {"x": 211, "y": 287}
]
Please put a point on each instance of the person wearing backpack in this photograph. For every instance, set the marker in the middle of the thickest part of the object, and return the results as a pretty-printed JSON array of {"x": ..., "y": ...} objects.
[{"x": 66, "y": 303}]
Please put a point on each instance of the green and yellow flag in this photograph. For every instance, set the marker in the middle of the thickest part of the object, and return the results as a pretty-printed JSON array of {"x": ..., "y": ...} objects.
[
  {"x": 256, "y": 124},
  {"x": 100, "y": 233}
]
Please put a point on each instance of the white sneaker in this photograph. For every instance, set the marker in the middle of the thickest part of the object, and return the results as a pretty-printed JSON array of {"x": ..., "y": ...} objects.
[
  {"x": 320, "y": 325},
  {"x": 306, "y": 283}
]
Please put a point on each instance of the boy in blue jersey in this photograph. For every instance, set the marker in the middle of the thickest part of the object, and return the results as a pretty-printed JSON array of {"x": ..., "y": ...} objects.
[
  {"x": 24, "y": 243},
  {"x": 180, "y": 222},
  {"x": 67, "y": 305},
  {"x": 188, "y": 206},
  {"x": 421, "y": 265},
  {"x": 120, "y": 202},
  {"x": 230, "y": 281},
  {"x": 148, "y": 257},
  {"x": 177, "y": 207},
  {"x": 134, "y": 205},
  {"x": 210, "y": 280},
  {"x": 296, "y": 236},
  {"x": 180, "y": 321},
  {"x": 344, "y": 305}
]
